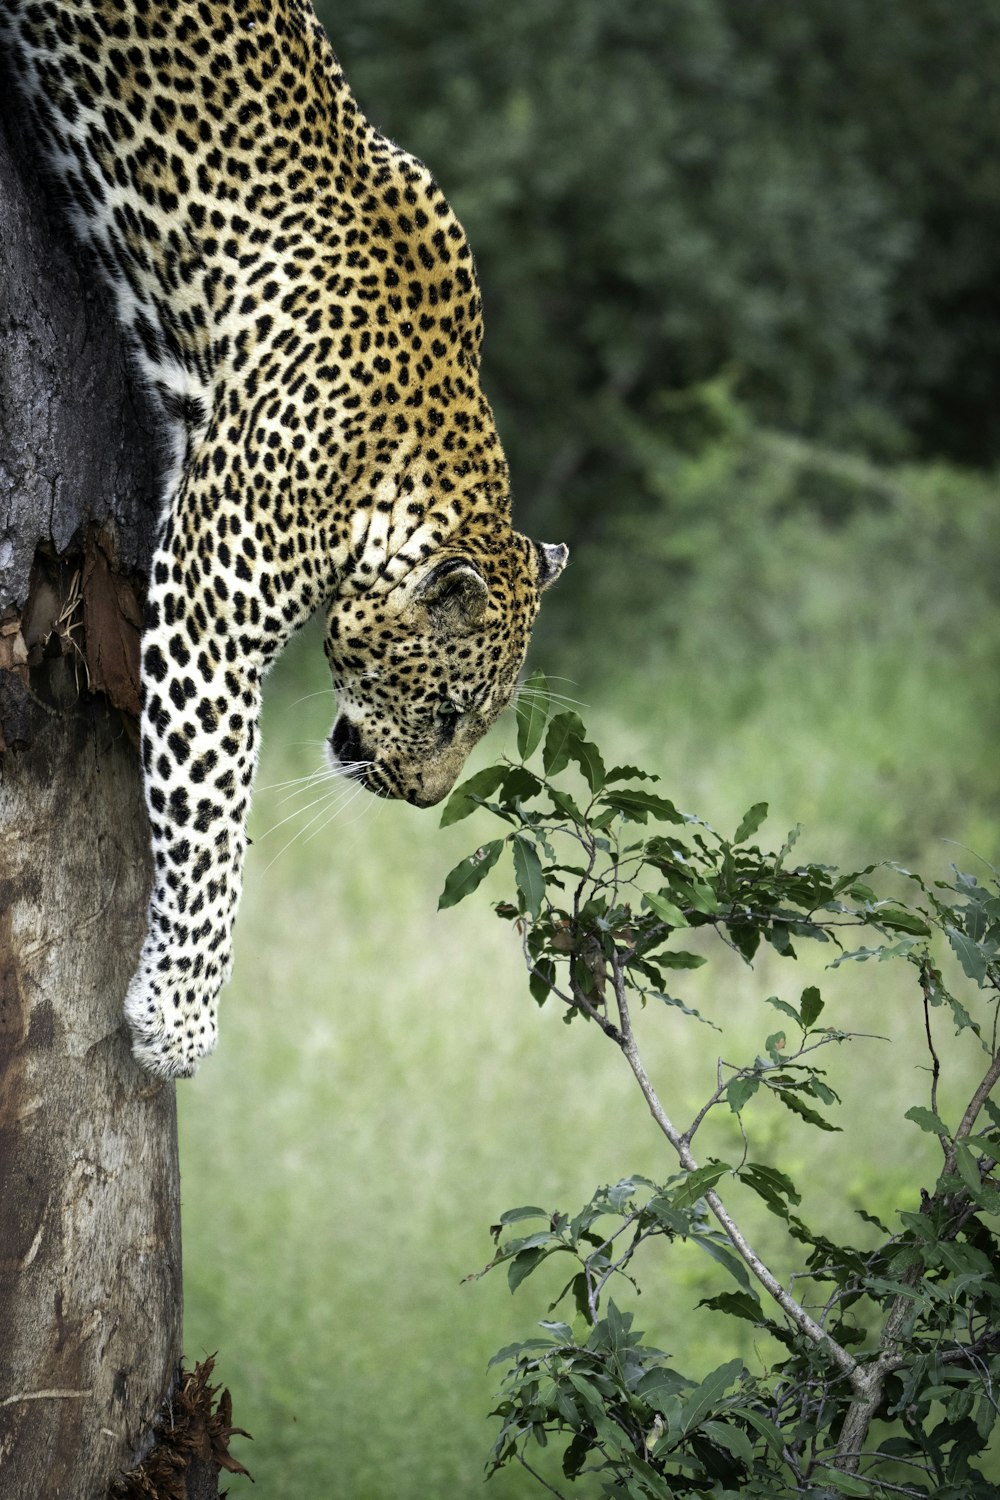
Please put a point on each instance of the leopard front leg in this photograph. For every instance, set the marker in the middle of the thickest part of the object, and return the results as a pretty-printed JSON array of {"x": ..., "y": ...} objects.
[{"x": 202, "y": 661}]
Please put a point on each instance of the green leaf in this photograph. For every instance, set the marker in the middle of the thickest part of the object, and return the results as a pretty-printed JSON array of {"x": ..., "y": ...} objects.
[
  {"x": 665, "y": 910},
  {"x": 528, "y": 874},
  {"x": 532, "y": 711},
  {"x": 589, "y": 759},
  {"x": 927, "y": 1120},
  {"x": 522, "y": 1266},
  {"x": 900, "y": 921},
  {"x": 785, "y": 1008},
  {"x": 564, "y": 728},
  {"x": 789, "y": 844},
  {"x": 697, "y": 1183},
  {"x": 986, "y": 1416},
  {"x": 542, "y": 980},
  {"x": 871, "y": 1219},
  {"x": 653, "y": 1487},
  {"x": 970, "y": 954},
  {"x": 733, "y": 1439},
  {"x": 968, "y": 1169},
  {"x": 628, "y": 773},
  {"x": 680, "y": 960},
  {"x": 740, "y": 1091},
  {"x": 811, "y": 1005},
  {"x": 744, "y": 1305},
  {"x": 528, "y": 1211},
  {"x": 861, "y": 955},
  {"x": 715, "y": 1245},
  {"x": 462, "y": 800},
  {"x": 710, "y": 1393},
  {"x": 775, "y": 1044},
  {"x": 639, "y": 805},
  {"x": 750, "y": 822},
  {"x": 794, "y": 1103},
  {"x": 703, "y": 897},
  {"x": 465, "y": 877},
  {"x": 774, "y": 1187},
  {"x": 763, "y": 1425},
  {"x": 660, "y": 1387},
  {"x": 576, "y": 1455},
  {"x": 520, "y": 783},
  {"x": 563, "y": 803}
]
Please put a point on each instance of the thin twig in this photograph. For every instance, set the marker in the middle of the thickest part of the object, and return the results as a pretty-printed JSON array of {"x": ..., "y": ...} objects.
[
  {"x": 976, "y": 1103},
  {"x": 925, "y": 985},
  {"x": 883, "y": 1484},
  {"x": 792, "y": 1309},
  {"x": 535, "y": 1475},
  {"x": 593, "y": 1300},
  {"x": 759, "y": 1071}
]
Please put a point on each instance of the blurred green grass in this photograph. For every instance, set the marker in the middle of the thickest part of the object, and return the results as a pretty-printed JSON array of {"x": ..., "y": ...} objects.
[{"x": 385, "y": 1087}]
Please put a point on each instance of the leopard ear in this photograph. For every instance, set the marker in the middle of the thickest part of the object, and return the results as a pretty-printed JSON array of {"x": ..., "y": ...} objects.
[
  {"x": 551, "y": 558},
  {"x": 455, "y": 594}
]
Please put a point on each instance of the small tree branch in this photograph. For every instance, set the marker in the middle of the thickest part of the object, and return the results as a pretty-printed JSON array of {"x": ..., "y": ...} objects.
[
  {"x": 793, "y": 1310},
  {"x": 596, "y": 1286},
  {"x": 925, "y": 985},
  {"x": 976, "y": 1103},
  {"x": 535, "y": 1475},
  {"x": 714, "y": 1099}
]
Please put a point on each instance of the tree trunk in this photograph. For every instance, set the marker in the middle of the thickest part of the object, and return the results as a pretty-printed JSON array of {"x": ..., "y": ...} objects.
[
  {"x": 90, "y": 1264},
  {"x": 90, "y": 1295}
]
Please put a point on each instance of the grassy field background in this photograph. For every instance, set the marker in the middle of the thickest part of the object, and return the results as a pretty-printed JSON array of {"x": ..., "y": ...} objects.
[{"x": 385, "y": 1087}]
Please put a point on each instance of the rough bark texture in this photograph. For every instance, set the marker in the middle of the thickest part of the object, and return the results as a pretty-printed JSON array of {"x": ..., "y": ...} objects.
[
  {"x": 90, "y": 1291},
  {"x": 78, "y": 445},
  {"x": 90, "y": 1295}
]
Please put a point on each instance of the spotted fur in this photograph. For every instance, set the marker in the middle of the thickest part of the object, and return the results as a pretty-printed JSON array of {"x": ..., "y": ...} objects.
[{"x": 301, "y": 299}]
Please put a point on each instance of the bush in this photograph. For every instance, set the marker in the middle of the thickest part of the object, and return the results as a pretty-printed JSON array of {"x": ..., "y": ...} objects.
[{"x": 887, "y": 1352}]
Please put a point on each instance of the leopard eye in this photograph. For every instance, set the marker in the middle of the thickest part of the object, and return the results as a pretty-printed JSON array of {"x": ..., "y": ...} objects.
[{"x": 446, "y": 709}]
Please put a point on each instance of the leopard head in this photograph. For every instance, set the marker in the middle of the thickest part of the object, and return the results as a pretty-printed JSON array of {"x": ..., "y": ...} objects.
[{"x": 422, "y": 671}]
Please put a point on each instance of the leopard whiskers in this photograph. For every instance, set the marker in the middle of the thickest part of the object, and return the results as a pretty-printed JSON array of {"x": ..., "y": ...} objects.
[
  {"x": 310, "y": 779},
  {"x": 523, "y": 691},
  {"x": 332, "y": 804},
  {"x": 294, "y": 783},
  {"x": 329, "y": 792},
  {"x": 326, "y": 692},
  {"x": 366, "y": 805}
]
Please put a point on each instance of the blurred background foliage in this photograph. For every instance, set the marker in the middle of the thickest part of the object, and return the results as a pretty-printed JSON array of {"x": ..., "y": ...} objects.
[
  {"x": 739, "y": 261},
  {"x": 807, "y": 196}
]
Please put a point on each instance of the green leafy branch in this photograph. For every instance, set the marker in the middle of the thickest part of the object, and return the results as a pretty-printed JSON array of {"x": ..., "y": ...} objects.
[{"x": 616, "y": 893}]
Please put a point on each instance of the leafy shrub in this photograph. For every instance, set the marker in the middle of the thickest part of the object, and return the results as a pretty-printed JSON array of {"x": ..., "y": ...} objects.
[{"x": 611, "y": 882}]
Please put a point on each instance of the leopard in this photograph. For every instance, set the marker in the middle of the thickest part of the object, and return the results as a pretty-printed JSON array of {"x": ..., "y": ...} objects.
[{"x": 302, "y": 305}]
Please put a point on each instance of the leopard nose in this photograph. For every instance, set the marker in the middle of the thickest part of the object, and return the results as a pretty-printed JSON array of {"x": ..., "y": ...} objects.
[
  {"x": 417, "y": 797},
  {"x": 427, "y": 792},
  {"x": 345, "y": 741}
]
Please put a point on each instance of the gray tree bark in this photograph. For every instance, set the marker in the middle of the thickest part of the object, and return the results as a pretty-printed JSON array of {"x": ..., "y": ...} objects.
[{"x": 90, "y": 1259}]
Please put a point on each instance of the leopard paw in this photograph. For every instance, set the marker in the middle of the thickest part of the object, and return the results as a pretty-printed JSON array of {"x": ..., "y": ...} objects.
[{"x": 173, "y": 1021}]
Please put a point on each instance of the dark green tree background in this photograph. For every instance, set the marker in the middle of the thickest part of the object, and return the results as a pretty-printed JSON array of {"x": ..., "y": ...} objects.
[{"x": 804, "y": 199}]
